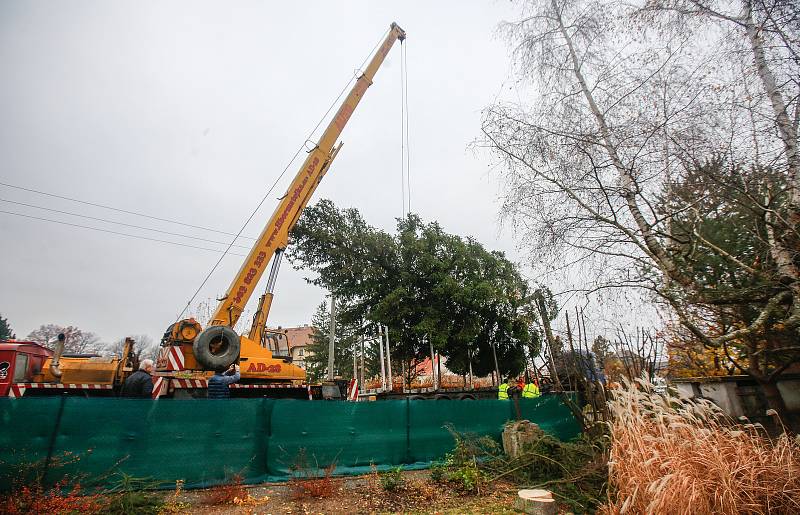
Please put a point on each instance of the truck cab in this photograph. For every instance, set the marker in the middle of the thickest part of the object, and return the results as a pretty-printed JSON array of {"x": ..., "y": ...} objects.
[{"x": 21, "y": 362}]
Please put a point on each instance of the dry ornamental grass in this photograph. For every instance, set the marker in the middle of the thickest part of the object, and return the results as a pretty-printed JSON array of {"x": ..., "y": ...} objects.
[{"x": 676, "y": 456}]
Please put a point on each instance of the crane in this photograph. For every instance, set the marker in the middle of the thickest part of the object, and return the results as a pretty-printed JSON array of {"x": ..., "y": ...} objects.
[{"x": 218, "y": 346}]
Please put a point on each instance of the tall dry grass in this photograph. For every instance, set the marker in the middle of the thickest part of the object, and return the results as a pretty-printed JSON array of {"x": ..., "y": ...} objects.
[{"x": 670, "y": 455}]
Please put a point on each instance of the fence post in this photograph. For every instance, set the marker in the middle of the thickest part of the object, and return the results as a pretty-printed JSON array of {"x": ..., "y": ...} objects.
[{"x": 53, "y": 437}]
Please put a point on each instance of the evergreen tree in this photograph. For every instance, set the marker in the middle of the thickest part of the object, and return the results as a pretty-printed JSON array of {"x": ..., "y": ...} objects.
[
  {"x": 316, "y": 358},
  {"x": 5, "y": 329},
  {"x": 427, "y": 286}
]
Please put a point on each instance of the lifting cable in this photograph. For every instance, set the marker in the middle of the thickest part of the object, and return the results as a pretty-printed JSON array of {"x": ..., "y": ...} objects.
[
  {"x": 275, "y": 183},
  {"x": 405, "y": 156}
]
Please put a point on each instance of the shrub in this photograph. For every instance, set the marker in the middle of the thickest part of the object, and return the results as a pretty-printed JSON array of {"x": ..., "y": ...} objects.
[
  {"x": 34, "y": 499},
  {"x": 29, "y": 495},
  {"x": 438, "y": 472},
  {"x": 467, "y": 478},
  {"x": 322, "y": 486},
  {"x": 678, "y": 456},
  {"x": 310, "y": 481},
  {"x": 226, "y": 493},
  {"x": 392, "y": 479}
]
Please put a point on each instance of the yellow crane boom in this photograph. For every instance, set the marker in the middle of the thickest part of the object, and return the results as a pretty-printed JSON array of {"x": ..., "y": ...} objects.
[{"x": 218, "y": 345}]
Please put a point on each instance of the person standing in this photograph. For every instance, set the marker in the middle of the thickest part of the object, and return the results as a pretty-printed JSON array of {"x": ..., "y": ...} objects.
[
  {"x": 502, "y": 391},
  {"x": 140, "y": 383},
  {"x": 530, "y": 391},
  {"x": 218, "y": 383}
]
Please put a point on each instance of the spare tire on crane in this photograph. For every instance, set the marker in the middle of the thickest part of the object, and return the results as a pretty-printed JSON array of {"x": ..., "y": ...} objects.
[{"x": 217, "y": 347}]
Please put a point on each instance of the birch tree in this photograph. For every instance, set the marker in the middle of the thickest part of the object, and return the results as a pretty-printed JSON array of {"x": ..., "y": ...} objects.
[{"x": 628, "y": 101}]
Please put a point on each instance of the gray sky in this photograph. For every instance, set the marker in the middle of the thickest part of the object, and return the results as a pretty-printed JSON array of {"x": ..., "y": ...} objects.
[{"x": 188, "y": 110}]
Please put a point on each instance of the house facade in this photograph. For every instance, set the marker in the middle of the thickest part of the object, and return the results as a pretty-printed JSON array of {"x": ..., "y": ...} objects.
[{"x": 299, "y": 338}]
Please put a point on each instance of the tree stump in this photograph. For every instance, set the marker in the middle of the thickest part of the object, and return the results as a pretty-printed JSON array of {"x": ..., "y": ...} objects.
[
  {"x": 516, "y": 435},
  {"x": 536, "y": 502}
]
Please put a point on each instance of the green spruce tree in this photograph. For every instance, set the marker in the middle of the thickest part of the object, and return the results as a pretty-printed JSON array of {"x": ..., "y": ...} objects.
[{"x": 5, "y": 329}]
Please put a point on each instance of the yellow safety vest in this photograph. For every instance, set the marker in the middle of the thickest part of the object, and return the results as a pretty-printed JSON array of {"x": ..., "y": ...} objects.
[
  {"x": 502, "y": 392},
  {"x": 531, "y": 391}
]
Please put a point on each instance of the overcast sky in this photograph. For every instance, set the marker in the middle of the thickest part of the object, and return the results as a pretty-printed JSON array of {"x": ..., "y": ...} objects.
[{"x": 188, "y": 111}]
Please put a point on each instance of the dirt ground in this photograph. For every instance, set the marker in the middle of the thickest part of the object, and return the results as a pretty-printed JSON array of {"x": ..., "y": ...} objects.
[{"x": 361, "y": 494}]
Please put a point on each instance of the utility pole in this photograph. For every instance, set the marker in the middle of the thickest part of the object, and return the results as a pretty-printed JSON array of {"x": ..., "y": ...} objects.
[
  {"x": 388, "y": 358},
  {"x": 380, "y": 354},
  {"x": 469, "y": 356},
  {"x": 331, "y": 344},
  {"x": 355, "y": 360},
  {"x": 433, "y": 363},
  {"x": 496, "y": 367},
  {"x": 363, "y": 379}
]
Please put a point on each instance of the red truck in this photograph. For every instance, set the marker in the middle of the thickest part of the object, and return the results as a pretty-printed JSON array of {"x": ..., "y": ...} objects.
[{"x": 20, "y": 363}]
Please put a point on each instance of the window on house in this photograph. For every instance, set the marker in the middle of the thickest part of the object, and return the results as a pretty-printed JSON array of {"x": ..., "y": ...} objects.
[{"x": 300, "y": 352}]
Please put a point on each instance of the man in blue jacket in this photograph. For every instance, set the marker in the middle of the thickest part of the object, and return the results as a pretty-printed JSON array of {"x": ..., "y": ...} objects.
[{"x": 218, "y": 383}]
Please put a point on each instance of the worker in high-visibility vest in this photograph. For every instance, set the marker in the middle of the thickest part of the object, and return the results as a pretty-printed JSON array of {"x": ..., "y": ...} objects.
[
  {"x": 502, "y": 391},
  {"x": 530, "y": 391}
]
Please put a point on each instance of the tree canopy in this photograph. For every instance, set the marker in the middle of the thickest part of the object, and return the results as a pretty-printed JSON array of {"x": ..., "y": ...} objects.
[{"x": 427, "y": 286}]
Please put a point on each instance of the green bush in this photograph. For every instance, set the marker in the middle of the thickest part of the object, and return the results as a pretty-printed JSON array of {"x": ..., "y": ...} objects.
[
  {"x": 438, "y": 471},
  {"x": 467, "y": 477},
  {"x": 392, "y": 479}
]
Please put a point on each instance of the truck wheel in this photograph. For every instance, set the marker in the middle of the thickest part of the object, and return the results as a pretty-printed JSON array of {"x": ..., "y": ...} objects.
[{"x": 217, "y": 347}]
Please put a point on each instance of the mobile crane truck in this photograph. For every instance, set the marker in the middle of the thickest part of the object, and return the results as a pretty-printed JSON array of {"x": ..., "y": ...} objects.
[
  {"x": 187, "y": 347},
  {"x": 189, "y": 353}
]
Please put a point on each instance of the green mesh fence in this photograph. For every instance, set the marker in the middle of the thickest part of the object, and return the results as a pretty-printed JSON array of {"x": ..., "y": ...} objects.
[{"x": 203, "y": 442}]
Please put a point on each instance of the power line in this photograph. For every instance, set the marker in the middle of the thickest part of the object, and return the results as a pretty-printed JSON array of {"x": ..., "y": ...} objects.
[
  {"x": 115, "y": 232},
  {"x": 103, "y": 206},
  {"x": 119, "y": 223}
]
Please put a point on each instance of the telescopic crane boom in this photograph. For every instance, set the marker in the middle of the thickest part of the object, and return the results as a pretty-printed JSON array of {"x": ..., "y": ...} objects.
[{"x": 218, "y": 345}]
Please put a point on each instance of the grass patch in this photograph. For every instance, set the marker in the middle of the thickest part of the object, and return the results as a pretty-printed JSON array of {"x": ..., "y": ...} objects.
[{"x": 130, "y": 494}]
